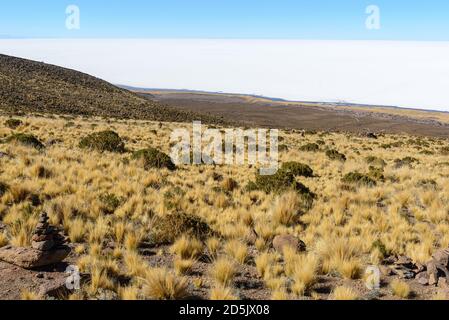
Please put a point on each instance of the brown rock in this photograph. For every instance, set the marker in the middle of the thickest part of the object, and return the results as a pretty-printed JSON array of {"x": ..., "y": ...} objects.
[
  {"x": 43, "y": 237},
  {"x": 280, "y": 242},
  {"x": 441, "y": 257},
  {"x": 46, "y": 245},
  {"x": 385, "y": 270},
  {"x": 251, "y": 237},
  {"x": 29, "y": 258},
  {"x": 442, "y": 283},
  {"x": 422, "y": 278}
]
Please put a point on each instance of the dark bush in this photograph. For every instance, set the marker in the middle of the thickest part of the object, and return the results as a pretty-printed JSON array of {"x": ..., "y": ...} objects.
[
  {"x": 170, "y": 227},
  {"x": 13, "y": 123},
  {"x": 153, "y": 158},
  {"x": 110, "y": 203},
  {"x": 445, "y": 151},
  {"x": 381, "y": 247},
  {"x": 298, "y": 169},
  {"x": 376, "y": 162},
  {"x": 26, "y": 140},
  {"x": 3, "y": 188},
  {"x": 280, "y": 182},
  {"x": 407, "y": 161},
  {"x": 428, "y": 184},
  {"x": 335, "y": 155},
  {"x": 103, "y": 141},
  {"x": 358, "y": 178},
  {"x": 377, "y": 173},
  {"x": 310, "y": 147}
]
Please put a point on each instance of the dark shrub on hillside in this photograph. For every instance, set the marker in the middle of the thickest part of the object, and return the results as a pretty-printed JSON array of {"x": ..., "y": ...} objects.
[
  {"x": 283, "y": 148},
  {"x": 428, "y": 184},
  {"x": 375, "y": 161},
  {"x": 280, "y": 182},
  {"x": 377, "y": 173},
  {"x": 445, "y": 150},
  {"x": 110, "y": 203},
  {"x": 310, "y": 147},
  {"x": 335, "y": 155},
  {"x": 13, "y": 123},
  {"x": 103, "y": 141},
  {"x": 28, "y": 140},
  {"x": 407, "y": 161},
  {"x": 153, "y": 158},
  {"x": 358, "y": 178},
  {"x": 3, "y": 188},
  {"x": 298, "y": 169},
  {"x": 171, "y": 226},
  {"x": 381, "y": 247}
]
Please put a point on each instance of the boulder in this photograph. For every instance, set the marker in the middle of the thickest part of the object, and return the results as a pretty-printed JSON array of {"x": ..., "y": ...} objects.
[
  {"x": 422, "y": 278},
  {"x": 282, "y": 241},
  {"x": 442, "y": 283},
  {"x": 30, "y": 258}
]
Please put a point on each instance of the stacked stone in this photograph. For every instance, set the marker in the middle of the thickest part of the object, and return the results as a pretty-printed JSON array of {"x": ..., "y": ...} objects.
[{"x": 46, "y": 237}]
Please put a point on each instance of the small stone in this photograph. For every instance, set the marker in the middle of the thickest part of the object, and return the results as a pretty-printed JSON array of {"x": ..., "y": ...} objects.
[
  {"x": 39, "y": 238},
  {"x": 371, "y": 135},
  {"x": 42, "y": 226},
  {"x": 282, "y": 241},
  {"x": 441, "y": 257},
  {"x": 442, "y": 283},
  {"x": 43, "y": 245},
  {"x": 40, "y": 275},
  {"x": 422, "y": 278},
  {"x": 251, "y": 237},
  {"x": 432, "y": 280},
  {"x": 386, "y": 271}
]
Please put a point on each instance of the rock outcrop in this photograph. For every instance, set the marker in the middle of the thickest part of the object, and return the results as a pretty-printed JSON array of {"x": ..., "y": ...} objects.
[
  {"x": 282, "y": 241},
  {"x": 48, "y": 247}
]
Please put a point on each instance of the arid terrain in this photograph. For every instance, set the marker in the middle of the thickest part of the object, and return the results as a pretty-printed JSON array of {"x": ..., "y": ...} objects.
[
  {"x": 351, "y": 195},
  {"x": 264, "y": 112}
]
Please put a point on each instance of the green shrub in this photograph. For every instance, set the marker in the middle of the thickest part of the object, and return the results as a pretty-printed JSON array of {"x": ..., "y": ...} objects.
[
  {"x": 381, "y": 247},
  {"x": 153, "y": 158},
  {"x": 335, "y": 155},
  {"x": 445, "y": 151},
  {"x": 170, "y": 227},
  {"x": 298, "y": 169},
  {"x": 407, "y": 161},
  {"x": 13, "y": 123},
  {"x": 376, "y": 173},
  {"x": 26, "y": 140},
  {"x": 428, "y": 184},
  {"x": 283, "y": 148},
  {"x": 103, "y": 141},
  {"x": 358, "y": 178},
  {"x": 110, "y": 203},
  {"x": 375, "y": 161},
  {"x": 310, "y": 147},
  {"x": 280, "y": 182}
]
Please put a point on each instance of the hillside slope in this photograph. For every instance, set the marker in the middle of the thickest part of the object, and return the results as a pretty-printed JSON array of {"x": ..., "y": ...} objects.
[{"x": 29, "y": 86}]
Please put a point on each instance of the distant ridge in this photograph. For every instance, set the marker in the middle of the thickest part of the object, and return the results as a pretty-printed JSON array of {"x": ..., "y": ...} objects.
[{"x": 34, "y": 87}]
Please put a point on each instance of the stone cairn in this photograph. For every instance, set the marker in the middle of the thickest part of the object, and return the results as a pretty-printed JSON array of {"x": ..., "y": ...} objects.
[
  {"x": 48, "y": 247},
  {"x": 46, "y": 237}
]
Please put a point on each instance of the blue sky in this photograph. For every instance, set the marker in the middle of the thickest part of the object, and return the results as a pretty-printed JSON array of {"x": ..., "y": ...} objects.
[{"x": 261, "y": 19}]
